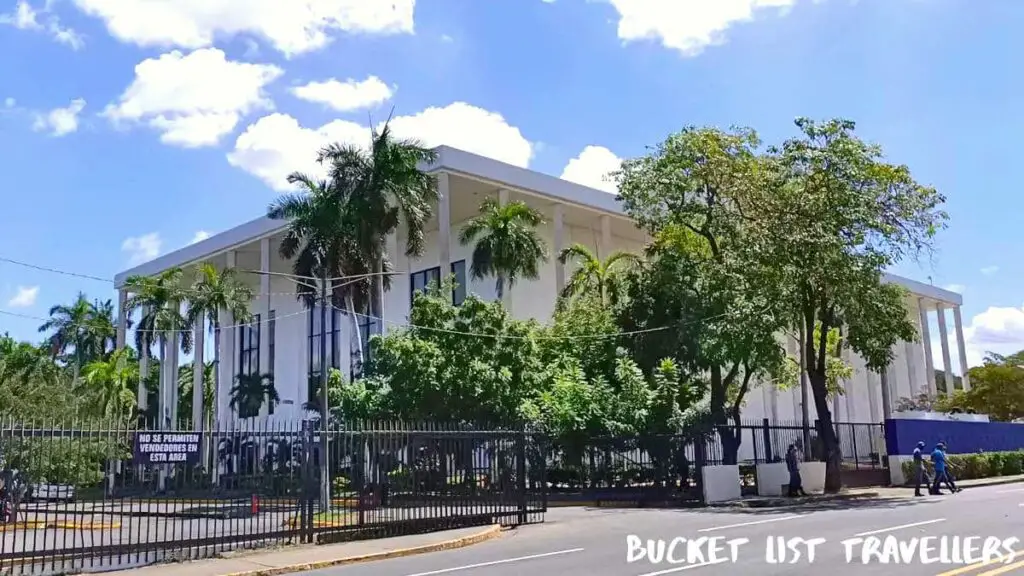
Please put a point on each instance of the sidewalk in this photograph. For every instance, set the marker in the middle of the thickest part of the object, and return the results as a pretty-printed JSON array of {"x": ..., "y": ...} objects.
[
  {"x": 314, "y": 557},
  {"x": 882, "y": 492}
]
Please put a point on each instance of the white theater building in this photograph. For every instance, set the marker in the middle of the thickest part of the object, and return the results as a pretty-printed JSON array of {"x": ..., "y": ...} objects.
[{"x": 284, "y": 336}]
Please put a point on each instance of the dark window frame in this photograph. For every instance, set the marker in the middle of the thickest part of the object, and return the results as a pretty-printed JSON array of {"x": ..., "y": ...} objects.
[
  {"x": 313, "y": 340},
  {"x": 249, "y": 347},
  {"x": 428, "y": 276},
  {"x": 271, "y": 349}
]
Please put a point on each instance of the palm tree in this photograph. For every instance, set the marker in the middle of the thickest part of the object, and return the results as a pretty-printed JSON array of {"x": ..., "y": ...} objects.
[
  {"x": 161, "y": 299},
  {"x": 592, "y": 276},
  {"x": 213, "y": 291},
  {"x": 384, "y": 185},
  {"x": 507, "y": 244},
  {"x": 322, "y": 240},
  {"x": 111, "y": 383},
  {"x": 103, "y": 326},
  {"x": 76, "y": 328},
  {"x": 250, "y": 391},
  {"x": 186, "y": 393}
]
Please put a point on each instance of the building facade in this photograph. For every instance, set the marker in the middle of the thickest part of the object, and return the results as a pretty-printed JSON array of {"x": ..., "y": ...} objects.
[{"x": 283, "y": 338}]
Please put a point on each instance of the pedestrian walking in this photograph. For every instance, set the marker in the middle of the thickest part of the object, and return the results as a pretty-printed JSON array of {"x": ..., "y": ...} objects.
[
  {"x": 920, "y": 474},
  {"x": 796, "y": 485},
  {"x": 939, "y": 463},
  {"x": 949, "y": 469}
]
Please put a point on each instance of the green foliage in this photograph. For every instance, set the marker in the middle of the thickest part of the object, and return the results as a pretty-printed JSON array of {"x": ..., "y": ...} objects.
[
  {"x": 594, "y": 277},
  {"x": 997, "y": 389},
  {"x": 250, "y": 392}
]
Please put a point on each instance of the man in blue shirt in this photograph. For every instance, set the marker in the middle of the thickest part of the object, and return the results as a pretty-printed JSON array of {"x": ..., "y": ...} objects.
[
  {"x": 920, "y": 474},
  {"x": 939, "y": 462}
]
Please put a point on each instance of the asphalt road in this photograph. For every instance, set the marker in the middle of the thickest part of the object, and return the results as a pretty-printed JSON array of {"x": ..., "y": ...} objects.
[{"x": 950, "y": 530}]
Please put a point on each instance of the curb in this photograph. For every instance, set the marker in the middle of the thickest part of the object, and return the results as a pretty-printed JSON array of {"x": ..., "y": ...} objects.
[{"x": 490, "y": 533}]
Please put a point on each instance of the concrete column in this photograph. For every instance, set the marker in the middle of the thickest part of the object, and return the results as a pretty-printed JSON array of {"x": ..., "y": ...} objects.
[
  {"x": 559, "y": 241},
  {"x": 946, "y": 361},
  {"x": 960, "y": 346},
  {"x": 141, "y": 396},
  {"x": 873, "y": 401},
  {"x": 908, "y": 352},
  {"x": 605, "y": 248},
  {"x": 122, "y": 318},
  {"x": 926, "y": 340},
  {"x": 198, "y": 371},
  {"x": 264, "y": 311},
  {"x": 226, "y": 356},
  {"x": 444, "y": 222},
  {"x": 886, "y": 387}
]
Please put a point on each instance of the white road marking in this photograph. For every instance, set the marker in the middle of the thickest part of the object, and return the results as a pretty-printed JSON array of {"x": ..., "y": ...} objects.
[
  {"x": 755, "y": 523},
  {"x": 1010, "y": 491},
  {"x": 681, "y": 568},
  {"x": 497, "y": 562},
  {"x": 900, "y": 527}
]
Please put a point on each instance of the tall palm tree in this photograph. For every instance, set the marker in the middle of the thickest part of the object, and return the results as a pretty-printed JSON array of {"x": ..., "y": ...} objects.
[
  {"x": 251, "y": 391},
  {"x": 322, "y": 241},
  {"x": 111, "y": 383},
  {"x": 213, "y": 291},
  {"x": 507, "y": 244},
  {"x": 162, "y": 319},
  {"x": 103, "y": 326},
  {"x": 187, "y": 398},
  {"x": 74, "y": 328},
  {"x": 592, "y": 276},
  {"x": 384, "y": 184}
]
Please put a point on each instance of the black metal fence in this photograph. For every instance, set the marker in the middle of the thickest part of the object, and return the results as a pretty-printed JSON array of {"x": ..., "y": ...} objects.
[{"x": 100, "y": 497}]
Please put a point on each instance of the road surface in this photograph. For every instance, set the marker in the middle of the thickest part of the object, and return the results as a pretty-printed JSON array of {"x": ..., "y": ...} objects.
[{"x": 948, "y": 532}]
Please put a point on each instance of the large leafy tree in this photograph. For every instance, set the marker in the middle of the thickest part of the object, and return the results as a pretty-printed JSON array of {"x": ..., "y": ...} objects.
[
  {"x": 161, "y": 300},
  {"x": 705, "y": 279},
  {"x": 595, "y": 276},
  {"x": 997, "y": 389},
  {"x": 506, "y": 243},
  {"x": 384, "y": 185},
  {"x": 212, "y": 292},
  {"x": 838, "y": 216},
  {"x": 110, "y": 383}
]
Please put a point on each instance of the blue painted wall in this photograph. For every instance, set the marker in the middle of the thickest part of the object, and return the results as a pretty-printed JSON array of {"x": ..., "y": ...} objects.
[{"x": 902, "y": 436}]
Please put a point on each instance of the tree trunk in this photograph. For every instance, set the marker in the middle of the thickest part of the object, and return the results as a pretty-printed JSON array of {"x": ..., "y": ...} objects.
[
  {"x": 198, "y": 375},
  {"x": 827, "y": 433},
  {"x": 357, "y": 335},
  {"x": 142, "y": 394}
]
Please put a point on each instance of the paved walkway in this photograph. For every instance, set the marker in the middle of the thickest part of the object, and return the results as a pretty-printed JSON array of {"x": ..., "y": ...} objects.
[{"x": 312, "y": 557}]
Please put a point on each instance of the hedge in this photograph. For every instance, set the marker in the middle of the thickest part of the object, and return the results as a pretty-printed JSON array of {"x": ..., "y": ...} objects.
[{"x": 982, "y": 465}]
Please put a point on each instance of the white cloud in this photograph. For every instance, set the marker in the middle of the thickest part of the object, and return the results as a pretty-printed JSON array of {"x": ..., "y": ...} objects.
[
  {"x": 200, "y": 236},
  {"x": 997, "y": 329},
  {"x": 688, "y": 26},
  {"x": 193, "y": 99},
  {"x": 276, "y": 145},
  {"x": 958, "y": 288},
  {"x": 592, "y": 167},
  {"x": 346, "y": 96},
  {"x": 142, "y": 248},
  {"x": 24, "y": 297},
  {"x": 10, "y": 102},
  {"x": 60, "y": 121},
  {"x": 25, "y": 17},
  {"x": 292, "y": 27},
  {"x": 989, "y": 270}
]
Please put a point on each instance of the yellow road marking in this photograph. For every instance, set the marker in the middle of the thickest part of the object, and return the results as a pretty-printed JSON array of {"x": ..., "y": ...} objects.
[{"x": 979, "y": 565}]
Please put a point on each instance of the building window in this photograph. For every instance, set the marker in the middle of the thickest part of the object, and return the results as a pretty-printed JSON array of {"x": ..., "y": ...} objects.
[
  {"x": 420, "y": 281},
  {"x": 333, "y": 334},
  {"x": 249, "y": 347},
  {"x": 459, "y": 293},
  {"x": 271, "y": 348},
  {"x": 367, "y": 328}
]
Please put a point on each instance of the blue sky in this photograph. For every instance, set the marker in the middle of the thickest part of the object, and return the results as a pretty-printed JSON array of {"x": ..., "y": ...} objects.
[{"x": 127, "y": 128}]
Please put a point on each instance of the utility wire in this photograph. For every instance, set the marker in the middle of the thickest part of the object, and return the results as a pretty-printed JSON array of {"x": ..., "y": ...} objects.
[{"x": 54, "y": 270}]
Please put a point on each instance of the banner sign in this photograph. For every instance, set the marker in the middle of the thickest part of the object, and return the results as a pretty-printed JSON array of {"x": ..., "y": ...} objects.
[{"x": 166, "y": 447}]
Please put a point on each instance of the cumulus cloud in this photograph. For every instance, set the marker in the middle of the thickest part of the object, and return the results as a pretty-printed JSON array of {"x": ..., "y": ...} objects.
[
  {"x": 200, "y": 236},
  {"x": 687, "y": 26},
  {"x": 292, "y": 27},
  {"x": 989, "y": 270},
  {"x": 25, "y": 297},
  {"x": 997, "y": 329},
  {"x": 25, "y": 17},
  {"x": 592, "y": 167},
  {"x": 346, "y": 96},
  {"x": 193, "y": 99},
  {"x": 141, "y": 248},
  {"x": 60, "y": 121},
  {"x": 276, "y": 145}
]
